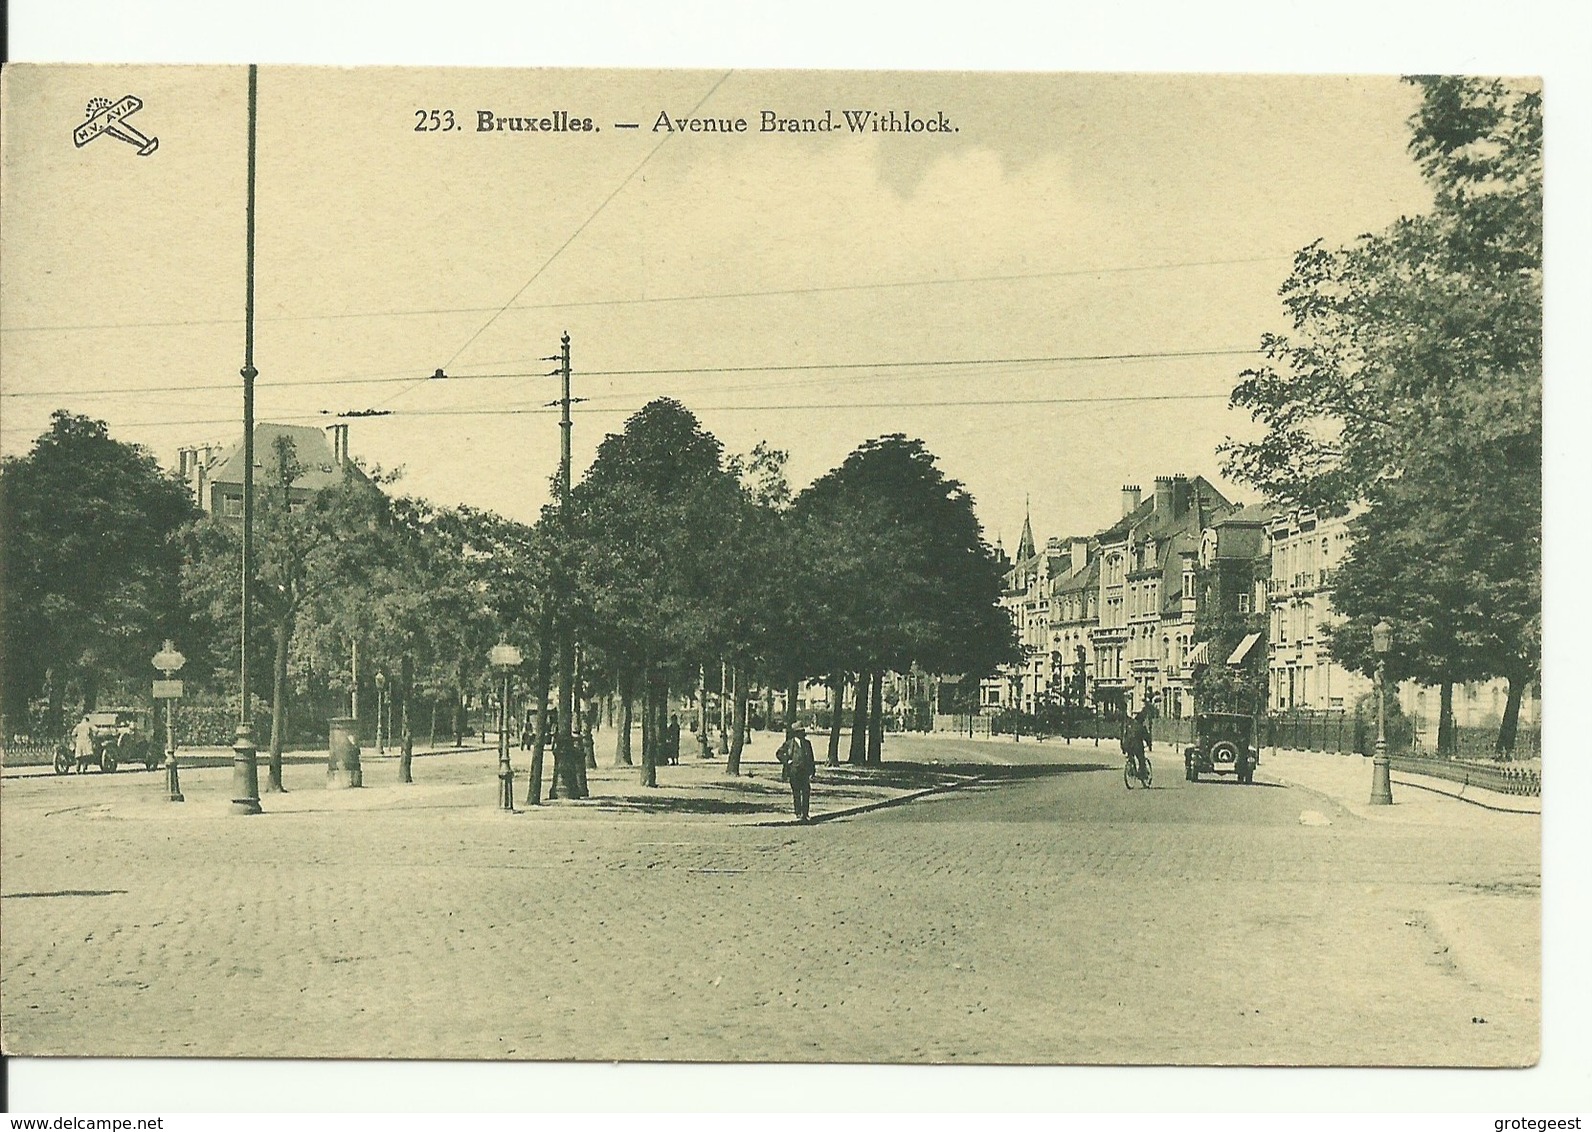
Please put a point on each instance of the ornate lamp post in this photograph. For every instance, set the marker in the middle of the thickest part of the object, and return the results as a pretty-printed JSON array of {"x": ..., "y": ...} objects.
[
  {"x": 1381, "y": 783},
  {"x": 169, "y": 661},
  {"x": 505, "y": 659},
  {"x": 381, "y": 703}
]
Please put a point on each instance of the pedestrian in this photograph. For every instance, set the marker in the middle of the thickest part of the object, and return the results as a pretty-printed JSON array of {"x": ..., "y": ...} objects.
[
  {"x": 83, "y": 744},
  {"x": 528, "y": 731},
  {"x": 796, "y": 753},
  {"x": 673, "y": 739},
  {"x": 1136, "y": 739}
]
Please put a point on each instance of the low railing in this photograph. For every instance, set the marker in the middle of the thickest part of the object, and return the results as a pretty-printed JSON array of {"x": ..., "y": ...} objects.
[{"x": 1503, "y": 779}]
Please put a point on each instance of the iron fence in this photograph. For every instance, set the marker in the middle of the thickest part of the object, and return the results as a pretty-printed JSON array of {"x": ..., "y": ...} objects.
[{"x": 1500, "y": 777}]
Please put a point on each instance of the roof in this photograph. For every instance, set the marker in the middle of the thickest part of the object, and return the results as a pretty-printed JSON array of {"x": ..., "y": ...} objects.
[
  {"x": 1025, "y": 545},
  {"x": 1084, "y": 579},
  {"x": 1252, "y": 514},
  {"x": 1159, "y": 525},
  {"x": 310, "y": 446}
]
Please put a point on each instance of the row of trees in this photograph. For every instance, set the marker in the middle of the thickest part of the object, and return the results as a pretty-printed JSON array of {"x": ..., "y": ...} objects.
[
  {"x": 671, "y": 559},
  {"x": 1411, "y": 391}
]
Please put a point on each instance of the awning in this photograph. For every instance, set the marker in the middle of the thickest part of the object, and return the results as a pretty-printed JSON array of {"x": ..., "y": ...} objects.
[
  {"x": 1243, "y": 649},
  {"x": 1199, "y": 654}
]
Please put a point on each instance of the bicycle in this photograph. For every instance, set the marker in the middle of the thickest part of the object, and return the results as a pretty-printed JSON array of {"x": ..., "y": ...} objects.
[{"x": 1131, "y": 772}]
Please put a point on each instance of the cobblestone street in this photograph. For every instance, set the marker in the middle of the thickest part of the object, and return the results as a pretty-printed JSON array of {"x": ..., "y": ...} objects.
[{"x": 1032, "y": 911}]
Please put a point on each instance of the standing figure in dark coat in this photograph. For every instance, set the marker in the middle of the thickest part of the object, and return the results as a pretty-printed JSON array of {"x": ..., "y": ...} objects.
[{"x": 797, "y": 755}]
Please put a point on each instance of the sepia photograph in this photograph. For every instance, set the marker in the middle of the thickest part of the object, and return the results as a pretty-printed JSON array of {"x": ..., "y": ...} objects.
[{"x": 772, "y": 566}]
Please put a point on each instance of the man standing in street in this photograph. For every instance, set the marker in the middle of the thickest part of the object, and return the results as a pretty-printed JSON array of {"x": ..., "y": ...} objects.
[
  {"x": 83, "y": 744},
  {"x": 796, "y": 753}
]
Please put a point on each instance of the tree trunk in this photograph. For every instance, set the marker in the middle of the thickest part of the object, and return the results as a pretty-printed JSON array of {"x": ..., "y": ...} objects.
[
  {"x": 859, "y": 720},
  {"x": 876, "y": 720},
  {"x": 458, "y": 716},
  {"x": 627, "y": 696},
  {"x": 768, "y": 707},
  {"x": 282, "y": 636},
  {"x": 703, "y": 750},
  {"x": 1446, "y": 739},
  {"x": 57, "y": 693},
  {"x": 588, "y": 738},
  {"x": 569, "y": 767},
  {"x": 406, "y": 685},
  {"x": 837, "y": 694},
  {"x": 792, "y": 695},
  {"x": 738, "y": 725},
  {"x": 90, "y": 688},
  {"x": 431, "y": 739},
  {"x": 1511, "y": 721},
  {"x": 544, "y": 676},
  {"x": 650, "y": 739}
]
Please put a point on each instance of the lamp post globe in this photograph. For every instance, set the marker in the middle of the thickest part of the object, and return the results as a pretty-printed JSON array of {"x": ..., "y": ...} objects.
[
  {"x": 167, "y": 662},
  {"x": 381, "y": 704},
  {"x": 504, "y": 658},
  {"x": 1381, "y": 780}
]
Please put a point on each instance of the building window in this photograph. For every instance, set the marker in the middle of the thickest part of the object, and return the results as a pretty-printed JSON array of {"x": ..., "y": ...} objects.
[
  {"x": 1243, "y": 603},
  {"x": 232, "y": 506}
]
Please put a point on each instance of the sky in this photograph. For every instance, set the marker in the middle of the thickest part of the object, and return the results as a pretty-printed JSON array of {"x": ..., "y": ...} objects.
[{"x": 811, "y": 290}]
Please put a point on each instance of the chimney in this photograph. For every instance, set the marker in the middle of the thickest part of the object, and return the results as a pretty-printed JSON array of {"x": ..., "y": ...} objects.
[
  {"x": 1130, "y": 498},
  {"x": 1163, "y": 497},
  {"x": 1079, "y": 552},
  {"x": 338, "y": 433},
  {"x": 1182, "y": 494}
]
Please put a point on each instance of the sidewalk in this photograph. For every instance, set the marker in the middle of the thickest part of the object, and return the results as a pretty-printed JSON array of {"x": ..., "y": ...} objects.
[
  {"x": 1346, "y": 779},
  {"x": 448, "y": 778}
]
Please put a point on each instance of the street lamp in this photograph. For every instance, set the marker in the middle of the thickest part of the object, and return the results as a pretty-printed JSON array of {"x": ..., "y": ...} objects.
[
  {"x": 168, "y": 661},
  {"x": 1381, "y": 783},
  {"x": 505, "y": 658},
  {"x": 381, "y": 701}
]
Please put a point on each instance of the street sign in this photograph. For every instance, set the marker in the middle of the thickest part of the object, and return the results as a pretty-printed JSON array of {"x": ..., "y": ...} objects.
[{"x": 168, "y": 689}]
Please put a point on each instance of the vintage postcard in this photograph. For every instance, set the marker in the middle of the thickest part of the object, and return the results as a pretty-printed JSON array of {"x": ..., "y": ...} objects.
[{"x": 771, "y": 566}]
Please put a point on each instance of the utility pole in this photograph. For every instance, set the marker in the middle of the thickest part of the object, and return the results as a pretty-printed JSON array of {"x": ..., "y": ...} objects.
[
  {"x": 245, "y": 767},
  {"x": 568, "y": 765}
]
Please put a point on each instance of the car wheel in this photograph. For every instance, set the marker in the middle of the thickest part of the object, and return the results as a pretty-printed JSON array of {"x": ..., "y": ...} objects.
[
  {"x": 108, "y": 761},
  {"x": 63, "y": 760}
]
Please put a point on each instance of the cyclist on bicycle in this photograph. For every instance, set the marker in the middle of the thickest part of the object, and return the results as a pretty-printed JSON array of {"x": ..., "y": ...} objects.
[{"x": 1136, "y": 740}]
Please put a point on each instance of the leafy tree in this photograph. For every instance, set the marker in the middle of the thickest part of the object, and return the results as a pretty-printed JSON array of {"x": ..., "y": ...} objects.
[
  {"x": 905, "y": 576},
  {"x": 1412, "y": 384},
  {"x": 90, "y": 561},
  {"x": 655, "y": 521},
  {"x": 318, "y": 552}
]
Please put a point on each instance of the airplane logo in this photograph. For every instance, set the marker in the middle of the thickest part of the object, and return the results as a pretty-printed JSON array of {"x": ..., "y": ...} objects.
[{"x": 107, "y": 117}]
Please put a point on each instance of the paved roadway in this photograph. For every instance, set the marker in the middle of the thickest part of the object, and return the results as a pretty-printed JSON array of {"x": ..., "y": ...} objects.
[{"x": 1043, "y": 915}]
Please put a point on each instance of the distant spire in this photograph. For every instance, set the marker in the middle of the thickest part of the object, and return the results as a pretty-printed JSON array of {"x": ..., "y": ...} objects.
[{"x": 1025, "y": 548}]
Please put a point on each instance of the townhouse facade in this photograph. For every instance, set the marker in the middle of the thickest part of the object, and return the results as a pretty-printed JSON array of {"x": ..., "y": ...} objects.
[
  {"x": 1305, "y": 549},
  {"x": 1147, "y": 599}
]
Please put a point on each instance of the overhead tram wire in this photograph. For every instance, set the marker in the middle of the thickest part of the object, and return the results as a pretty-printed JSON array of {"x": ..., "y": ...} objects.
[
  {"x": 550, "y": 408},
  {"x": 706, "y": 296},
  {"x": 804, "y": 367},
  {"x": 537, "y": 274}
]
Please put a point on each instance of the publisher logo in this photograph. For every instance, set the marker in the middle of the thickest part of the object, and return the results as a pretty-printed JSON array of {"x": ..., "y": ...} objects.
[{"x": 107, "y": 117}]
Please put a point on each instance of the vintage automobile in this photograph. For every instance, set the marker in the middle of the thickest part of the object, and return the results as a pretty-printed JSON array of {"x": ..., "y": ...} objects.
[
  {"x": 119, "y": 735},
  {"x": 1223, "y": 744}
]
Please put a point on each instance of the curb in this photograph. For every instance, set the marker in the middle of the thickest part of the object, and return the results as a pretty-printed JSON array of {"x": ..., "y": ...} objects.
[
  {"x": 869, "y": 807},
  {"x": 1460, "y": 797}
]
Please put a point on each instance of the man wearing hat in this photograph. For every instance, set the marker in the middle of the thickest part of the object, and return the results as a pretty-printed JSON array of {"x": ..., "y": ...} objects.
[{"x": 797, "y": 755}]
